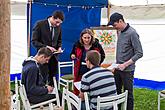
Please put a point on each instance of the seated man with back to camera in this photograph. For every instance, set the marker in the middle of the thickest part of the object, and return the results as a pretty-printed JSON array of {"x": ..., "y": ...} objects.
[
  {"x": 37, "y": 91},
  {"x": 97, "y": 82}
]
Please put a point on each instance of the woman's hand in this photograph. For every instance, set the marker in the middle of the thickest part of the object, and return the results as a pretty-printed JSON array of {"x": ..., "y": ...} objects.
[{"x": 73, "y": 56}]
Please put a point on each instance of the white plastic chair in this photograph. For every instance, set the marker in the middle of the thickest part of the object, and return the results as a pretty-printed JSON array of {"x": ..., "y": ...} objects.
[
  {"x": 161, "y": 96},
  {"x": 28, "y": 106},
  {"x": 113, "y": 101},
  {"x": 15, "y": 105},
  {"x": 74, "y": 100},
  {"x": 66, "y": 79},
  {"x": 71, "y": 99},
  {"x": 86, "y": 101}
]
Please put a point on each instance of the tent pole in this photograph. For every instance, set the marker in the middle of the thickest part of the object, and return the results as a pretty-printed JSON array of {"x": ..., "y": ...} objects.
[
  {"x": 108, "y": 10},
  {"x": 29, "y": 25}
]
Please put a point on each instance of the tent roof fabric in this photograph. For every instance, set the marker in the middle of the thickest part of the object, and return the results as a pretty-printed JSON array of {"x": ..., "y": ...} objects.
[
  {"x": 99, "y": 3},
  {"x": 141, "y": 11}
]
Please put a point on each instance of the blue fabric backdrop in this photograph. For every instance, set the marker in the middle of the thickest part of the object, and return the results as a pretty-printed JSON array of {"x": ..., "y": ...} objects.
[{"x": 76, "y": 19}]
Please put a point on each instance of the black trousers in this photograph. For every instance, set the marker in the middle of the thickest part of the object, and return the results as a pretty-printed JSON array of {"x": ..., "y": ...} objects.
[
  {"x": 38, "y": 99},
  {"x": 125, "y": 79},
  {"x": 50, "y": 70},
  {"x": 53, "y": 69}
]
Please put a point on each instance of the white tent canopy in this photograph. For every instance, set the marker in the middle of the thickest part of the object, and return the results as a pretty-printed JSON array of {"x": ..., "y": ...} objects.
[
  {"x": 121, "y": 2},
  {"x": 145, "y": 12},
  {"x": 135, "y": 2}
]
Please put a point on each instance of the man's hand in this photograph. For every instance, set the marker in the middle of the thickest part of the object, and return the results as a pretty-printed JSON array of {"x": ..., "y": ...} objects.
[
  {"x": 50, "y": 89},
  {"x": 81, "y": 95},
  {"x": 121, "y": 67},
  {"x": 51, "y": 48},
  {"x": 125, "y": 64},
  {"x": 59, "y": 49}
]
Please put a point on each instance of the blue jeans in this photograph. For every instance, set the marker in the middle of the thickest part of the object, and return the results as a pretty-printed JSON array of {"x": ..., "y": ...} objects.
[{"x": 83, "y": 107}]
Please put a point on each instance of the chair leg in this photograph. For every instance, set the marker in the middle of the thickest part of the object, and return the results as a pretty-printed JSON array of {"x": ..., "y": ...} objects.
[
  {"x": 18, "y": 105},
  {"x": 59, "y": 84},
  {"x": 50, "y": 106},
  {"x": 159, "y": 101},
  {"x": 72, "y": 85},
  {"x": 115, "y": 106},
  {"x": 125, "y": 106},
  {"x": 67, "y": 85}
]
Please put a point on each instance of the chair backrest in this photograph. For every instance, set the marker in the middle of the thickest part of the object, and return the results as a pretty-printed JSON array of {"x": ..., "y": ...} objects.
[
  {"x": 112, "y": 101},
  {"x": 56, "y": 89},
  {"x": 86, "y": 101},
  {"x": 65, "y": 65},
  {"x": 71, "y": 99},
  {"x": 62, "y": 69},
  {"x": 24, "y": 98}
]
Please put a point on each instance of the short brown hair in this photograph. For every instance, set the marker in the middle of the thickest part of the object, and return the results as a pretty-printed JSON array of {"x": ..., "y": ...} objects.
[
  {"x": 45, "y": 51},
  {"x": 94, "y": 57},
  {"x": 58, "y": 14},
  {"x": 87, "y": 31}
]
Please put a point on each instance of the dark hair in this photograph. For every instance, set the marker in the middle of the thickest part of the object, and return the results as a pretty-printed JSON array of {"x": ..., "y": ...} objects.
[
  {"x": 58, "y": 14},
  {"x": 45, "y": 51},
  {"x": 94, "y": 57},
  {"x": 87, "y": 31},
  {"x": 115, "y": 17}
]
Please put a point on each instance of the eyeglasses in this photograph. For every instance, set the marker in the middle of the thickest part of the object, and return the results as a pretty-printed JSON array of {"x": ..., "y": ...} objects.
[{"x": 86, "y": 59}]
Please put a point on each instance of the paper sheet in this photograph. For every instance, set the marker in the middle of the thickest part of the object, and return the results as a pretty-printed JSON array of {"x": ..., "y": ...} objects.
[
  {"x": 113, "y": 66},
  {"x": 77, "y": 85},
  {"x": 57, "y": 52}
]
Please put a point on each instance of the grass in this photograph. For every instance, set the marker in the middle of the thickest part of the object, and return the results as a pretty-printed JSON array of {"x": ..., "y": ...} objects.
[
  {"x": 144, "y": 99},
  {"x": 12, "y": 86}
]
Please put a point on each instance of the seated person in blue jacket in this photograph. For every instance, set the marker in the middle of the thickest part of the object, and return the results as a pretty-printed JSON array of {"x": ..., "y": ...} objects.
[{"x": 36, "y": 89}]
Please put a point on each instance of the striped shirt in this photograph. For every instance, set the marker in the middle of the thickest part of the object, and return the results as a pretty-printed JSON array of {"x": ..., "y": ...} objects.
[{"x": 98, "y": 82}]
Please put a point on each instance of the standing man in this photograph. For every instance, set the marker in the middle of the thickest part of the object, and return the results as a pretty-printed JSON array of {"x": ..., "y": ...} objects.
[
  {"x": 129, "y": 50},
  {"x": 97, "y": 82},
  {"x": 47, "y": 33},
  {"x": 36, "y": 89}
]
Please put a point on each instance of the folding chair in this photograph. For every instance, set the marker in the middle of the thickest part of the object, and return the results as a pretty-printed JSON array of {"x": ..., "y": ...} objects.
[
  {"x": 161, "y": 96},
  {"x": 112, "y": 101},
  {"x": 28, "y": 106},
  {"x": 71, "y": 99},
  {"x": 64, "y": 78},
  {"x": 15, "y": 102}
]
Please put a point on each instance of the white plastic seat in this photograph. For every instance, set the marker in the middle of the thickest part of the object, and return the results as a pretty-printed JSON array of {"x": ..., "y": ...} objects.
[
  {"x": 71, "y": 99},
  {"x": 28, "y": 106},
  {"x": 161, "y": 96},
  {"x": 113, "y": 101},
  {"x": 64, "y": 78}
]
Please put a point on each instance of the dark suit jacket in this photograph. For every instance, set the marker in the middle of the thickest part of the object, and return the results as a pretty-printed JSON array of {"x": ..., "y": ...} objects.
[{"x": 41, "y": 36}]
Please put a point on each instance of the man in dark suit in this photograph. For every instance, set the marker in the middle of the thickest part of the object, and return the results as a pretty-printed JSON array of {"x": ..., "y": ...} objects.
[{"x": 47, "y": 33}]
